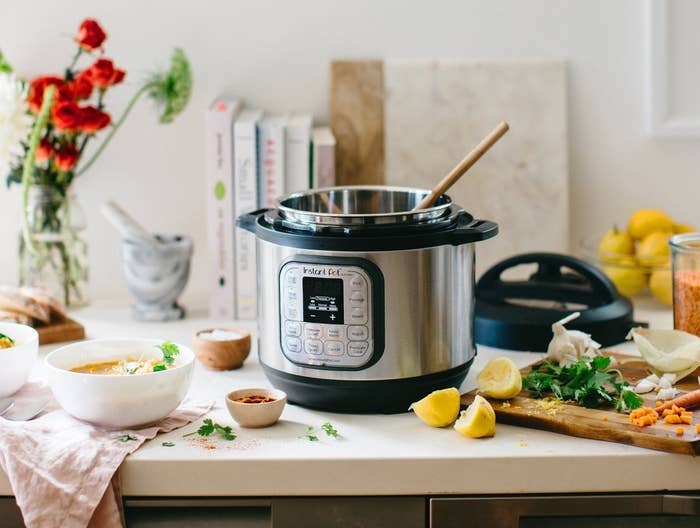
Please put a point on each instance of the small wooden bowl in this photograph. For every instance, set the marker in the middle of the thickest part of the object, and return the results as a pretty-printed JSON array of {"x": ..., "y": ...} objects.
[
  {"x": 254, "y": 415},
  {"x": 222, "y": 355}
]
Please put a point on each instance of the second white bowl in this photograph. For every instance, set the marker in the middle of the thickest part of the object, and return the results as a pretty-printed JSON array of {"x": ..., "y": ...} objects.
[
  {"x": 118, "y": 401},
  {"x": 17, "y": 361}
]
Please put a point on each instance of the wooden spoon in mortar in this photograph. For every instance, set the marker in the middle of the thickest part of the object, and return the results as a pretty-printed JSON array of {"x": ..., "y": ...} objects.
[{"x": 463, "y": 166}]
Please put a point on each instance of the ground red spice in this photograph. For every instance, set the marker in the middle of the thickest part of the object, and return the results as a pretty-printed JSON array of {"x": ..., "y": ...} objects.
[{"x": 686, "y": 301}]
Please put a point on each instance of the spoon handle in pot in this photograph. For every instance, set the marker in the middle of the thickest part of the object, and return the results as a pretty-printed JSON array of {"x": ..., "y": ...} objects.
[{"x": 463, "y": 166}]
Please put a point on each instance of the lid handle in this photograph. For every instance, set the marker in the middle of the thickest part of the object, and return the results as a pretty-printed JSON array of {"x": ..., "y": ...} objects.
[
  {"x": 470, "y": 230},
  {"x": 248, "y": 221},
  {"x": 589, "y": 285}
]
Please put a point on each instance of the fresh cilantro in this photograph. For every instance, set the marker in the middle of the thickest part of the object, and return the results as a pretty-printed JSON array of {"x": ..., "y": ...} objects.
[
  {"x": 329, "y": 430},
  {"x": 590, "y": 382},
  {"x": 169, "y": 350},
  {"x": 210, "y": 427},
  {"x": 168, "y": 444},
  {"x": 4, "y": 337},
  {"x": 311, "y": 433},
  {"x": 126, "y": 438}
]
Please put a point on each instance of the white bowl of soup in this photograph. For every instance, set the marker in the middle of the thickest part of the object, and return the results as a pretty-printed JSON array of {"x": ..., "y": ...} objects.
[
  {"x": 19, "y": 346},
  {"x": 120, "y": 383}
]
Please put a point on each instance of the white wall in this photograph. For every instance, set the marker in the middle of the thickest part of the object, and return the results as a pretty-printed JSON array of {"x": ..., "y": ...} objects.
[{"x": 276, "y": 53}]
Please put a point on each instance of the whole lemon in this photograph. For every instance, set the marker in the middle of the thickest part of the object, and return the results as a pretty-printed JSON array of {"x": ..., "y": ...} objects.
[
  {"x": 654, "y": 250},
  {"x": 615, "y": 243},
  {"x": 629, "y": 278},
  {"x": 646, "y": 221},
  {"x": 680, "y": 228},
  {"x": 661, "y": 286}
]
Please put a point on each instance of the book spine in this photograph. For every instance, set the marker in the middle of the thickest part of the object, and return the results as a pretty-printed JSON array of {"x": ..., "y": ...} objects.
[
  {"x": 324, "y": 164},
  {"x": 271, "y": 163},
  {"x": 246, "y": 183},
  {"x": 219, "y": 179},
  {"x": 297, "y": 158}
]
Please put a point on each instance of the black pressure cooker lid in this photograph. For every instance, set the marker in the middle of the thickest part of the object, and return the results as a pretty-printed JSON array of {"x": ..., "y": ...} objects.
[{"x": 518, "y": 314}]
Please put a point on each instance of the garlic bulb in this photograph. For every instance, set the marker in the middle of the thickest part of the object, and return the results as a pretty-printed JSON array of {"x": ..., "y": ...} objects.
[{"x": 567, "y": 346}]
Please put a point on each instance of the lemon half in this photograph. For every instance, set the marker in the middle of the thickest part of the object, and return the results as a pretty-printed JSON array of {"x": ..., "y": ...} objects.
[
  {"x": 500, "y": 379},
  {"x": 439, "y": 408},
  {"x": 478, "y": 421}
]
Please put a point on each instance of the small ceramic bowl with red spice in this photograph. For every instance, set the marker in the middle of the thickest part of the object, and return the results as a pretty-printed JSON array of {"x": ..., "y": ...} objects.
[{"x": 256, "y": 407}]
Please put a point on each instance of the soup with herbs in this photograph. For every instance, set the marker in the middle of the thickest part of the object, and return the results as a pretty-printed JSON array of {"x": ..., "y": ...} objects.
[{"x": 133, "y": 366}]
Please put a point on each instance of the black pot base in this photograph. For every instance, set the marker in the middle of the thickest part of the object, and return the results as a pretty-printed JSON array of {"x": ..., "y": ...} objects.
[{"x": 358, "y": 397}]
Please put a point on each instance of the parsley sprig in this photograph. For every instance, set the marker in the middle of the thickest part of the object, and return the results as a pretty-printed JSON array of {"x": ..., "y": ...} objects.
[
  {"x": 311, "y": 433},
  {"x": 589, "y": 382},
  {"x": 210, "y": 427},
  {"x": 169, "y": 350},
  {"x": 126, "y": 437}
]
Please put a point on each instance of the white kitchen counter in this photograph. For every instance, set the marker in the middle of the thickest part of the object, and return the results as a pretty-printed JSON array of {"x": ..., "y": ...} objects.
[{"x": 377, "y": 454}]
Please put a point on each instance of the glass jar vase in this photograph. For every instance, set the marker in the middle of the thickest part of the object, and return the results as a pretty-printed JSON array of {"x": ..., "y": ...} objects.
[
  {"x": 685, "y": 256},
  {"x": 53, "y": 251}
]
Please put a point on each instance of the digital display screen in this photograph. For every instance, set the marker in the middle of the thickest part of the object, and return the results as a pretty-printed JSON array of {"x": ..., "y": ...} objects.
[{"x": 323, "y": 300}]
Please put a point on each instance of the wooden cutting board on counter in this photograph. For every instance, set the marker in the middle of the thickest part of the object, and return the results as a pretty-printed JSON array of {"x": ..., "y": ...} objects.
[
  {"x": 60, "y": 332},
  {"x": 598, "y": 424}
]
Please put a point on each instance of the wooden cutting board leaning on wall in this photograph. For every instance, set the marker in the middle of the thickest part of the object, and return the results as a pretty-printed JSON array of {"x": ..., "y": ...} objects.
[{"x": 428, "y": 114}]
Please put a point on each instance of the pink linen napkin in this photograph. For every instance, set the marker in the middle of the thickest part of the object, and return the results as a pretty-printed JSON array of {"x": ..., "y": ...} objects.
[{"x": 61, "y": 468}]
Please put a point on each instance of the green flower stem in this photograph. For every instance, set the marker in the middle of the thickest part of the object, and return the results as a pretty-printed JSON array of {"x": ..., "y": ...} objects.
[
  {"x": 145, "y": 88},
  {"x": 28, "y": 166}
]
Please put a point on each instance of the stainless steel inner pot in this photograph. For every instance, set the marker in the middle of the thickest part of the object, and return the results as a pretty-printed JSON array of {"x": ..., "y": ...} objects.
[{"x": 360, "y": 206}]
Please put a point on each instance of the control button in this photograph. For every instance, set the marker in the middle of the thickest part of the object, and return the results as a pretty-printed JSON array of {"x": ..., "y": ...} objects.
[
  {"x": 292, "y": 328},
  {"x": 313, "y": 346},
  {"x": 334, "y": 348},
  {"x": 357, "y": 348},
  {"x": 358, "y": 315},
  {"x": 312, "y": 330},
  {"x": 293, "y": 344},
  {"x": 293, "y": 313},
  {"x": 334, "y": 332},
  {"x": 357, "y": 296},
  {"x": 358, "y": 333},
  {"x": 292, "y": 295},
  {"x": 357, "y": 281},
  {"x": 292, "y": 276}
]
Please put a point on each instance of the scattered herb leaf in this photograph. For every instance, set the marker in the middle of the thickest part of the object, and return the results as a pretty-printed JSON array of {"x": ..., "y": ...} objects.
[
  {"x": 329, "y": 429},
  {"x": 158, "y": 367},
  {"x": 168, "y": 444},
  {"x": 589, "y": 382},
  {"x": 126, "y": 438},
  {"x": 311, "y": 433},
  {"x": 210, "y": 427},
  {"x": 4, "y": 337},
  {"x": 169, "y": 350}
]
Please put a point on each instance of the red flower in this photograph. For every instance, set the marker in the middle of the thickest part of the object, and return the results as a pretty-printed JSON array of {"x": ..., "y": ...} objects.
[
  {"x": 67, "y": 115},
  {"x": 90, "y": 35},
  {"x": 44, "y": 151},
  {"x": 103, "y": 74},
  {"x": 66, "y": 157},
  {"x": 37, "y": 87},
  {"x": 93, "y": 119},
  {"x": 81, "y": 87}
]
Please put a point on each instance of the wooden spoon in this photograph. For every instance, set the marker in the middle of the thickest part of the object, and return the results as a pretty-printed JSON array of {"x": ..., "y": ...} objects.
[{"x": 463, "y": 166}]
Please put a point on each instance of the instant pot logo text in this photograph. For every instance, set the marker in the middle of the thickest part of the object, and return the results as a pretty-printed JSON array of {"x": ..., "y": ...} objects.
[{"x": 322, "y": 272}]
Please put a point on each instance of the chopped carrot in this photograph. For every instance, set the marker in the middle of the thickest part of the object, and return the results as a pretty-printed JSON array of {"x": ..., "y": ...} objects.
[
  {"x": 687, "y": 401},
  {"x": 604, "y": 418},
  {"x": 644, "y": 416},
  {"x": 697, "y": 428},
  {"x": 686, "y": 419},
  {"x": 666, "y": 412},
  {"x": 679, "y": 431},
  {"x": 672, "y": 419}
]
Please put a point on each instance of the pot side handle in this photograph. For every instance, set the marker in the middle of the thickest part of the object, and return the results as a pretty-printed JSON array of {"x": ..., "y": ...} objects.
[
  {"x": 248, "y": 221},
  {"x": 472, "y": 230}
]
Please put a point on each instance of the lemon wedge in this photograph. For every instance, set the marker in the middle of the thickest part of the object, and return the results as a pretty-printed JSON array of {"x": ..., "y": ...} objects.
[
  {"x": 500, "y": 379},
  {"x": 439, "y": 408},
  {"x": 478, "y": 421}
]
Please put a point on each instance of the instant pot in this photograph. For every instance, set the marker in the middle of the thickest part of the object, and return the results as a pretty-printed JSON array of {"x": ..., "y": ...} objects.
[{"x": 365, "y": 305}]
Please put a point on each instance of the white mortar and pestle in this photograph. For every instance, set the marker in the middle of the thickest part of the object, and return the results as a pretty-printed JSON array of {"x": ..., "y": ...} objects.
[{"x": 156, "y": 267}]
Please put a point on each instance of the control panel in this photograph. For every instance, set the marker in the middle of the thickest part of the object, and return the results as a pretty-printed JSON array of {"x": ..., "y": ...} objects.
[{"x": 326, "y": 314}]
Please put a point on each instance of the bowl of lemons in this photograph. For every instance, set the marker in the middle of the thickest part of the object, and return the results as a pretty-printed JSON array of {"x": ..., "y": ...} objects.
[{"x": 637, "y": 257}]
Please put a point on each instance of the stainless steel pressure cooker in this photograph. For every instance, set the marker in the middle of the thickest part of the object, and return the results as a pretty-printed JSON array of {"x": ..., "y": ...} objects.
[{"x": 363, "y": 304}]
